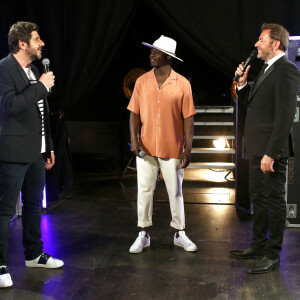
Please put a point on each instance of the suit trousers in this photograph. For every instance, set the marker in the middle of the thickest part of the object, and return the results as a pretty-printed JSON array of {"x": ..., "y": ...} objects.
[
  {"x": 267, "y": 193},
  {"x": 29, "y": 178},
  {"x": 147, "y": 169}
]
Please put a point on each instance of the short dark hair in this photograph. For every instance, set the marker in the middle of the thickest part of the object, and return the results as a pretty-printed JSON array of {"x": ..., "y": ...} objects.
[
  {"x": 277, "y": 32},
  {"x": 20, "y": 31}
]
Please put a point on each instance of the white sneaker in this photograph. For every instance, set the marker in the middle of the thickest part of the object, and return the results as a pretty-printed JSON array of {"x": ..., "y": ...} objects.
[
  {"x": 5, "y": 279},
  {"x": 181, "y": 240},
  {"x": 44, "y": 261},
  {"x": 142, "y": 241}
]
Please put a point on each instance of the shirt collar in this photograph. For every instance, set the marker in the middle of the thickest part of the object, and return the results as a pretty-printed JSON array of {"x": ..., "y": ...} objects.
[
  {"x": 172, "y": 76},
  {"x": 272, "y": 60}
]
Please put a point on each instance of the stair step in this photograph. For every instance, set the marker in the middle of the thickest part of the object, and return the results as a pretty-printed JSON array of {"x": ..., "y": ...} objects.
[
  {"x": 212, "y": 165},
  {"x": 213, "y": 118},
  {"x": 213, "y": 123},
  {"x": 214, "y": 130},
  {"x": 213, "y": 150},
  {"x": 214, "y": 109},
  {"x": 214, "y": 137}
]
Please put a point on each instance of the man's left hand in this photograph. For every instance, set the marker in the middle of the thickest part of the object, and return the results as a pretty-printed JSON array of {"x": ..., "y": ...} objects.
[
  {"x": 266, "y": 164},
  {"x": 185, "y": 159},
  {"x": 50, "y": 162}
]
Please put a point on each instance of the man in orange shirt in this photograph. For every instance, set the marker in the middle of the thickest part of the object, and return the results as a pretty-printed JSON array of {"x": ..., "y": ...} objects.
[{"x": 162, "y": 105}]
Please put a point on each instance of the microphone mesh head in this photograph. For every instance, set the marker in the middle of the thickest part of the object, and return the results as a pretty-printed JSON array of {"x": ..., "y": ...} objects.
[
  {"x": 46, "y": 61},
  {"x": 253, "y": 53}
]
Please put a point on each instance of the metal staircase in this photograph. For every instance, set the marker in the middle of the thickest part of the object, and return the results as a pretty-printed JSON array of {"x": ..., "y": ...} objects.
[{"x": 211, "y": 123}]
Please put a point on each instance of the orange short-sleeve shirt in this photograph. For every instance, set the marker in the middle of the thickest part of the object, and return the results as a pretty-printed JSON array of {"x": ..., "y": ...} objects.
[{"x": 162, "y": 111}]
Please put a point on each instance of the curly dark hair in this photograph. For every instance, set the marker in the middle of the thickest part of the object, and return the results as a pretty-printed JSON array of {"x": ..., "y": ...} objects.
[
  {"x": 277, "y": 32},
  {"x": 20, "y": 31}
]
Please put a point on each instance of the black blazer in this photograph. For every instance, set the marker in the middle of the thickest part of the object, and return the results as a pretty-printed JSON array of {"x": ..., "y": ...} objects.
[
  {"x": 271, "y": 105},
  {"x": 20, "y": 117}
]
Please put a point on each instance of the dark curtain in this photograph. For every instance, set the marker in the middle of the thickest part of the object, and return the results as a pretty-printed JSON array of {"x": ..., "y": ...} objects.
[
  {"x": 92, "y": 34},
  {"x": 83, "y": 37},
  {"x": 206, "y": 27},
  {"x": 224, "y": 32},
  {"x": 95, "y": 31},
  {"x": 59, "y": 178}
]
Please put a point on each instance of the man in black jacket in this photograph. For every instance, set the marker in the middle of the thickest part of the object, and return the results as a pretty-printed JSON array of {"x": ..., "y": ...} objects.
[
  {"x": 25, "y": 144},
  {"x": 271, "y": 104}
]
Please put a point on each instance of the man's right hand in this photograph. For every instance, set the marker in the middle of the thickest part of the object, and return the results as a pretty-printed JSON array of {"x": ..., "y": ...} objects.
[
  {"x": 135, "y": 146},
  {"x": 243, "y": 75},
  {"x": 47, "y": 79}
]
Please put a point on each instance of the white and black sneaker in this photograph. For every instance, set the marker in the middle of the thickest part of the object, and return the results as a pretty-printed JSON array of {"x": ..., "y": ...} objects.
[
  {"x": 142, "y": 241},
  {"x": 5, "y": 279},
  {"x": 44, "y": 261},
  {"x": 181, "y": 240}
]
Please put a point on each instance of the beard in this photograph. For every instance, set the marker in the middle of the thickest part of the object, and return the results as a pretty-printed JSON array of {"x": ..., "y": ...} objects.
[{"x": 34, "y": 54}]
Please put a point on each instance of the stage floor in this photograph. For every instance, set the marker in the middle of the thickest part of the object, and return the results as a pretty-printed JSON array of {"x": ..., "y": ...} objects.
[{"x": 93, "y": 230}]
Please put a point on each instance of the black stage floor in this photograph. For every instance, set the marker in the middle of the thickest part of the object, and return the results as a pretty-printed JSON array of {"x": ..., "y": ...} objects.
[{"x": 93, "y": 230}]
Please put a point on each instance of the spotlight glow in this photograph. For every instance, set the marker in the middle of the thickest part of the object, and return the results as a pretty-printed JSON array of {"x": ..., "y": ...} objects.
[
  {"x": 19, "y": 205},
  {"x": 44, "y": 197},
  {"x": 220, "y": 143}
]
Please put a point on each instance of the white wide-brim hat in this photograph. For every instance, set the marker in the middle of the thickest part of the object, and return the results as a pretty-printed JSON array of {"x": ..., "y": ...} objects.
[{"x": 165, "y": 45}]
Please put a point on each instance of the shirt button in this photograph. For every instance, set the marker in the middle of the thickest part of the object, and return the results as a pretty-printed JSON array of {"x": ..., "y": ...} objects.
[
  {"x": 157, "y": 115},
  {"x": 156, "y": 128},
  {"x": 158, "y": 101}
]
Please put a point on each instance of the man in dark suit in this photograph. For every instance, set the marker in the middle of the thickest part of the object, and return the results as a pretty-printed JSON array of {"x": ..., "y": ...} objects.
[
  {"x": 271, "y": 104},
  {"x": 25, "y": 144}
]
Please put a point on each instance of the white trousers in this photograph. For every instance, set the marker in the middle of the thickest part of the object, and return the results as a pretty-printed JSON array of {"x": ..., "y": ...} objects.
[{"x": 147, "y": 169}]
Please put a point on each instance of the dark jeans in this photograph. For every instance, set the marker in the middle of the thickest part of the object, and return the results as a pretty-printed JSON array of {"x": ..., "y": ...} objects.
[
  {"x": 267, "y": 193},
  {"x": 28, "y": 178}
]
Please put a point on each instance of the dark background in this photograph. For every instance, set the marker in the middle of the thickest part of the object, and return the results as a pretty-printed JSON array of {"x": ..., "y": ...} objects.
[{"x": 92, "y": 44}]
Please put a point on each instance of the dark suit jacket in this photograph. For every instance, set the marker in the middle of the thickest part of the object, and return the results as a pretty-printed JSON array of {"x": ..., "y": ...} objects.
[
  {"x": 271, "y": 105},
  {"x": 20, "y": 118}
]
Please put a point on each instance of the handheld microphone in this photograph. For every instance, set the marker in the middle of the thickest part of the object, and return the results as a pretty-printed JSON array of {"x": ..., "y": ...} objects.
[
  {"x": 46, "y": 63},
  {"x": 249, "y": 59},
  {"x": 142, "y": 154}
]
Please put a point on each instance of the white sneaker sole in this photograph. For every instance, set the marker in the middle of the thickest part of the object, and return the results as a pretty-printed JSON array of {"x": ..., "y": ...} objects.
[
  {"x": 6, "y": 286},
  {"x": 137, "y": 251},
  {"x": 43, "y": 266},
  {"x": 188, "y": 250}
]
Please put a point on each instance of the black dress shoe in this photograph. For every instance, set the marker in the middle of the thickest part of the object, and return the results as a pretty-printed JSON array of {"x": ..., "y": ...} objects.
[
  {"x": 247, "y": 253},
  {"x": 264, "y": 265}
]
